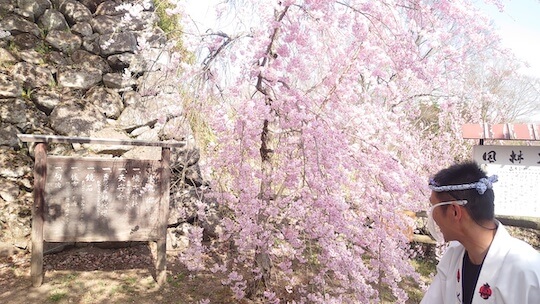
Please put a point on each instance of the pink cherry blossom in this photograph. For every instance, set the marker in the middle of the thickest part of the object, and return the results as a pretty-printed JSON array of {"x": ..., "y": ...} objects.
[{"x": 326, "y": 119}]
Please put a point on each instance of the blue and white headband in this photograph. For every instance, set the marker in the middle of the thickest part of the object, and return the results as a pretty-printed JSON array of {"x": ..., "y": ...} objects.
[{"x": 481, "y": 186}]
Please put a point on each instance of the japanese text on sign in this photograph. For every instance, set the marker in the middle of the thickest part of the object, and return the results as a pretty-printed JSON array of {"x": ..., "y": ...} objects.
[
  {"x": 96, "y": 197},
  {"x": 507, "y": 155},
  {"x": 518, "y": 169}
]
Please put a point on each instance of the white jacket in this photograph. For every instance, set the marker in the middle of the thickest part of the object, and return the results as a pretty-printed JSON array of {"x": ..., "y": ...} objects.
[{"x": 510, "y": 274}]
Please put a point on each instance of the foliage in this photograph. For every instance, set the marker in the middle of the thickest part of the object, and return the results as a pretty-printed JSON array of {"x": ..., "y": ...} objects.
[
  {"x": 170, "y": 24},
  {"x": 43, "y": 48},
  {"x": 12, "y": 47},
  {"x": 321, "y": 141},
  {"x": 57, "y": 296},
  {"x": 27, "y": 93}
]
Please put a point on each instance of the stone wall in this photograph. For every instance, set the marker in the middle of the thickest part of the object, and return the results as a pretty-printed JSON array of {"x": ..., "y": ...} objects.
[{"x": 76, "y": 68}]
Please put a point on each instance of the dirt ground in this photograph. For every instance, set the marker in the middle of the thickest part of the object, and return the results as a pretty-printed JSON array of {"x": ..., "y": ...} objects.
[
  {"x": 88, "y": 274},
  {"x": 93, "y": 275}
]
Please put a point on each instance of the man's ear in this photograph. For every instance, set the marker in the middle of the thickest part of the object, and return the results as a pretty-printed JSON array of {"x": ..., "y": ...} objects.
[{"x": 458, "y": 211}]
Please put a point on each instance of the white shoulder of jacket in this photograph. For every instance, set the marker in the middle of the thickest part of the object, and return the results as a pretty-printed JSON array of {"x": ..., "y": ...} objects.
[{"x": 523, "y": 254}]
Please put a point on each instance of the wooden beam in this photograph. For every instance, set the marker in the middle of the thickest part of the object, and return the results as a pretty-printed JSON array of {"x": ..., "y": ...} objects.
[
  {"x": 97, "y": 141},
  {"x": 520, "y": 221},
  {"x": 40, "y": 175},
  {"x": 161, "y": 252},
  {"x": 507, "y": 220},
  {"x": 419, "y": 238}
]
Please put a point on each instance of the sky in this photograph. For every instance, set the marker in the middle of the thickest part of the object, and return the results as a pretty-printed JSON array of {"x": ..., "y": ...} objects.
[{"x": 519, "y": 27}]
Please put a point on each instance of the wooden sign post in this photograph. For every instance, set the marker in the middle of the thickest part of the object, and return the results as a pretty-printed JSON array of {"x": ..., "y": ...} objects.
[
  {"x": 83, "y": 199},
  {"x": 40, "y": 173}
]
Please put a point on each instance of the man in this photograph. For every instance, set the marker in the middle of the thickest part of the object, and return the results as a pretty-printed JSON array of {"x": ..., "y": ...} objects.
[{"x": 486, "y": 264}]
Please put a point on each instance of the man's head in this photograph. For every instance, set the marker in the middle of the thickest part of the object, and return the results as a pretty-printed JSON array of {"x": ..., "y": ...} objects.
[{"x": 466, "y": 181}]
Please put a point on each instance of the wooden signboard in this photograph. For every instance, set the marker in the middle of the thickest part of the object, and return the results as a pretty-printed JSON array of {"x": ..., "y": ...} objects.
[
  {"x": 518, "y": 171},
  {"x": 89, "y": 200},
  {"x": 517, "y": 166},
  {"x": 78, "y": 199}
]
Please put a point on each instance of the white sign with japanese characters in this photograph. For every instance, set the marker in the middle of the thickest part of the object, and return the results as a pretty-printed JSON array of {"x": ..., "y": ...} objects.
[{"x": 517, "y": 192}]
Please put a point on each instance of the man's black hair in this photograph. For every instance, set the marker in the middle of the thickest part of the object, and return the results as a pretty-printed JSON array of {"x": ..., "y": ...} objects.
[{"x": 481, "y": 206}]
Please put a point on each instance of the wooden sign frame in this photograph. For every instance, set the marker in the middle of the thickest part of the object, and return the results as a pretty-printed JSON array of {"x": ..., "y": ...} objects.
[{"x": 77, "y": 202}]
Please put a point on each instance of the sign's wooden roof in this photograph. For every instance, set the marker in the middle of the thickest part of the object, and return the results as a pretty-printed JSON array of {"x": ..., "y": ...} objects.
[{"x": 502, "y": 131}]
